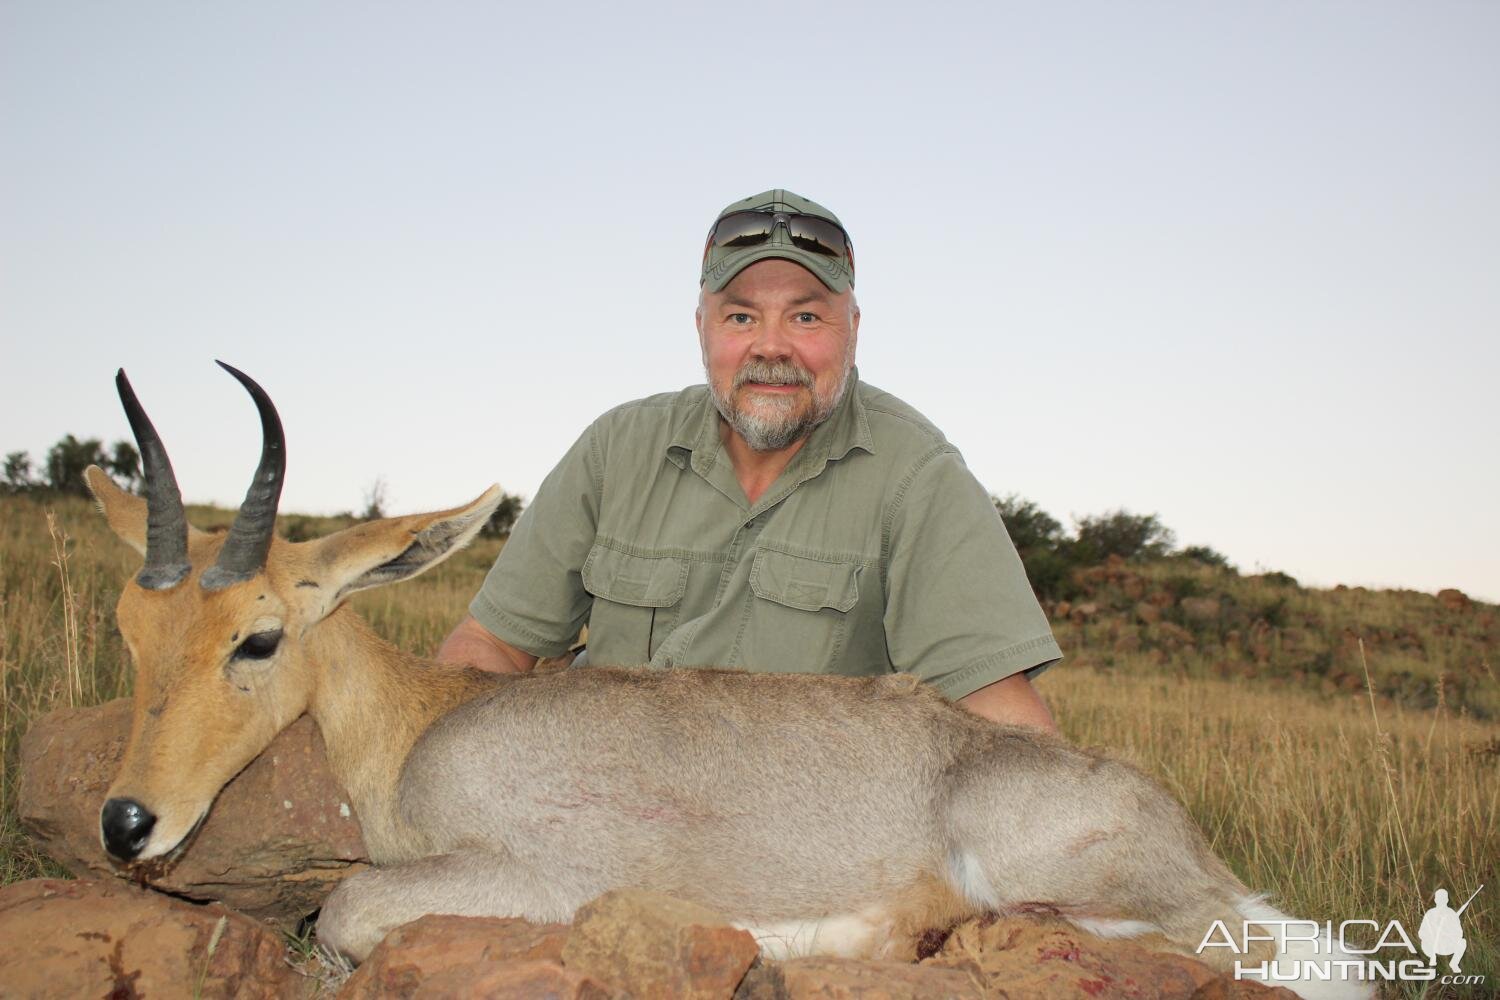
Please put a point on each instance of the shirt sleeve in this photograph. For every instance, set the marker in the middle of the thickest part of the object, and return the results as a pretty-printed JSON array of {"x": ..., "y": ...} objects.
[
  {"x": 533, "y": 597},
  {"x": 960, "y": 612}
]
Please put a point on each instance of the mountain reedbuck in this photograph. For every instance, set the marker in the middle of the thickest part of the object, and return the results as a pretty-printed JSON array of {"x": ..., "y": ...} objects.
[{"x": 826, "y": 814}]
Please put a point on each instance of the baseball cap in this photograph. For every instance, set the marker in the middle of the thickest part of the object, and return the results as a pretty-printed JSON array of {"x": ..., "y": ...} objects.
[{"x": 721, "y": 264}]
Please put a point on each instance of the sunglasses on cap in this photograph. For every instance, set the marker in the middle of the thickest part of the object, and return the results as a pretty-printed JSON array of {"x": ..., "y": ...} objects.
[{"x": 739, "y": 230}]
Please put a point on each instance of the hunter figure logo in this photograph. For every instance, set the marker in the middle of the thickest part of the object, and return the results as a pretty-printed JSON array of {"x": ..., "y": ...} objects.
[
  {"x": 1304, "y": 951},
  {"x": 1441, "y": 933}
]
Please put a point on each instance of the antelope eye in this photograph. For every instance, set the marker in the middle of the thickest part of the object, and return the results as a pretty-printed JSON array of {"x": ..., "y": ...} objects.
[{"x": 258, "y": 646}]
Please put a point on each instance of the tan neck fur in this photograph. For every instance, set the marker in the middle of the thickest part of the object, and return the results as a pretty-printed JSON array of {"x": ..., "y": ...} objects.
[{"x": 372, "y": 701}]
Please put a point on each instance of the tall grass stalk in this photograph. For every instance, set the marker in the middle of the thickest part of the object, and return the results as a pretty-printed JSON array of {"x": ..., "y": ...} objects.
[
  {"x": 1382, "y": 748},
  {"x": 74, "y": 674}
]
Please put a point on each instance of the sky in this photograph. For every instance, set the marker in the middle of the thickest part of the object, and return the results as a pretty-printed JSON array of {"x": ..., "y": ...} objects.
[{"x": 1237, "y": 265}]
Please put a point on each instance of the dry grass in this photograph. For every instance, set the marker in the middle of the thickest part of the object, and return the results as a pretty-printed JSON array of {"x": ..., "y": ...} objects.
[
  {"x": 1338, "y": 804},
  {"x": 1336, "y": 812},
  {"x": 60, "y": 572}
]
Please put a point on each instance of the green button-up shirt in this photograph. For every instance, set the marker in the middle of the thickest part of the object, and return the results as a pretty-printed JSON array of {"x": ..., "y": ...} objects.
[{"x": 875, "y": 551}]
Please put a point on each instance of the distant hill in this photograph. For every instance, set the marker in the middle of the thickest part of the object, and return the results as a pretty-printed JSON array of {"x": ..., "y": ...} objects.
[{"x": 1182, "y": 615}]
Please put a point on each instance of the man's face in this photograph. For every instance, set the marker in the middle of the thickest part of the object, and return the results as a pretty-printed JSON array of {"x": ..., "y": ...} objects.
[{"x": 778, "y": 347}]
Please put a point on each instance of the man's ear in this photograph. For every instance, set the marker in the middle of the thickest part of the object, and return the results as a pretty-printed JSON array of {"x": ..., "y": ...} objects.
[
  {"x": 394, "y": 548},
  {"x": 125, "y": 512}
]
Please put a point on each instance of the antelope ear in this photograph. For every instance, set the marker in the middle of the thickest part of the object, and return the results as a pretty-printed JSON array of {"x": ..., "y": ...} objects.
[
  {"x": 124, "y": 511},
  {"x": 395, "y": 548}
]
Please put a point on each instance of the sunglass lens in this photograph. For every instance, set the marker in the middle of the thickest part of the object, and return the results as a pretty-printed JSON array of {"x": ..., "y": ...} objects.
[
  {"x": 742, "y": 229},
  {"x": 818, "y": 235}
]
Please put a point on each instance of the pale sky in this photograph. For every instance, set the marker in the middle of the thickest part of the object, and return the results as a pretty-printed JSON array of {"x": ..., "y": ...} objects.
[{"x": 1235, "y": 264}]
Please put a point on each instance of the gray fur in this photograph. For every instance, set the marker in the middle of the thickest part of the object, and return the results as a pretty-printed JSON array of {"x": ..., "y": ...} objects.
[{"x": 767, "y": 798}]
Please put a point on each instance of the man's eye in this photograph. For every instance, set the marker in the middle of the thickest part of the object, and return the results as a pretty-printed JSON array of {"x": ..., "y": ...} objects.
[
  {"x": 739, "y": 319},
  {"x": 807, "y": 317}
]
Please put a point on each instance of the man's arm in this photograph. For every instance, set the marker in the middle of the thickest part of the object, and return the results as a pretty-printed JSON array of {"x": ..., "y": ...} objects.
[
  {"x": 470, "y": 644},
  {"x": 960, "y": 612},
  {"x": 1011, "y": 700},
  {"x": 534, "y": 592}
]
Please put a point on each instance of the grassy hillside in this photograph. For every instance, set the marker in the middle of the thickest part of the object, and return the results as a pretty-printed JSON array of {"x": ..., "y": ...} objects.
[
  {"x": 1246, "y": 695},
  {"x": 1420, "y": 651}
]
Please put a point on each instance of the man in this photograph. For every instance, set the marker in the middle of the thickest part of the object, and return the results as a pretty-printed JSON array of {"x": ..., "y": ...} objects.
[{"x": 784, "y": 517}]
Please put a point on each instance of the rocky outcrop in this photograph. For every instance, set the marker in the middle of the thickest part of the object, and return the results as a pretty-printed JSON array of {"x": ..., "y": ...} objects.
[
  {"x": 418, "y": 958},
  {"x": 1025, "y": 959},
  {"x": 646, "y": 944},
  {"x": 279, "y": 836},
  {"x": 856, "y": 979},
  {"x": 112, "y": 939},
  {"x": 1454, "y": 600}
]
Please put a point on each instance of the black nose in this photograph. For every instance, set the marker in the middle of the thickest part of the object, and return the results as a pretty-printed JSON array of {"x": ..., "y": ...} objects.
[{"x": 127, "y": 826}]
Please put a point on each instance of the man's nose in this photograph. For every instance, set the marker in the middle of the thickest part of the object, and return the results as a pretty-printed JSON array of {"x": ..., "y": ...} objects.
[{"x": 772, "y": 340}]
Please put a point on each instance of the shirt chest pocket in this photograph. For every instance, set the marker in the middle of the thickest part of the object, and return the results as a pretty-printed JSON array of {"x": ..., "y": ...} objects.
[
  {"x": 636, "y": 602},
  {"x": 799, "y": 614}
]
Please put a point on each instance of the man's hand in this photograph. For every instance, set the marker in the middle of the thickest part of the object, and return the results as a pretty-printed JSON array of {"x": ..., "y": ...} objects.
[
  {"x": 1012, "y": 700},
  {"x": 472, "y": 645}
]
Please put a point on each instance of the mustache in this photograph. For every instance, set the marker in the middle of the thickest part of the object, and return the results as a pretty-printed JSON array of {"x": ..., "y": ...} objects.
[{"x": 775, "y": 373}]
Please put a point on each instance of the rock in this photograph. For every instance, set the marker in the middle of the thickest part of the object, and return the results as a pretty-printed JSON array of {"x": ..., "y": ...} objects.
[
  {"x": 1203, "y": 610},
  {"x": 1454, "y": 600},
  {"x": 1024, "y": 959},
  {"x": 523, "y": 980},
  {"x": 1148, "y": 614},
  {"x": 1161, "y": 598},
  {"x": 826, "y": 978},
  {"x": 112, "y": 939},
  {"x": 515, "y": 981},
  {"x": 1128, "y": 644},
  {"x": 279, "y": 837},
  {"x": 1083, "y": 612},
  {"x": 647, "y": 944},
  {"x": 466, "y": 949}
]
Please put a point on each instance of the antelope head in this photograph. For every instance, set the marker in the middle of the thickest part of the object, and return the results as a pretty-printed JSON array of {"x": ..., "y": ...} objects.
[{"x": 220, "y": 626}]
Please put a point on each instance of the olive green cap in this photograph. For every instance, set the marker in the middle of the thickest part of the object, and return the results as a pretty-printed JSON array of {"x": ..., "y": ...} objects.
[{"x": 720, "y": 265}]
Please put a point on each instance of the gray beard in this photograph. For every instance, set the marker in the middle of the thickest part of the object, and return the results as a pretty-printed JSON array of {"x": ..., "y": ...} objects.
[{"x": 779, "y": 421}]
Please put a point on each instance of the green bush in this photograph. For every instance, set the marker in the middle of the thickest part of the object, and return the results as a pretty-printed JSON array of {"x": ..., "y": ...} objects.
[
  {"x": 1207, "y": 556},
  {"x": 1120, "y": 533}
]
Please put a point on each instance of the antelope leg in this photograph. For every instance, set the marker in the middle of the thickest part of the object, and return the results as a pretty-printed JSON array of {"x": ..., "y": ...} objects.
[{"x": 366, "y": 907}]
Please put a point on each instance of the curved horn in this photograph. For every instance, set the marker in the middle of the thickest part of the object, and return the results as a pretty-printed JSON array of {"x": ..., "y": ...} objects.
[
  {"x": 166, "y": 522},
  {"x": 244, "y": 551}
]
